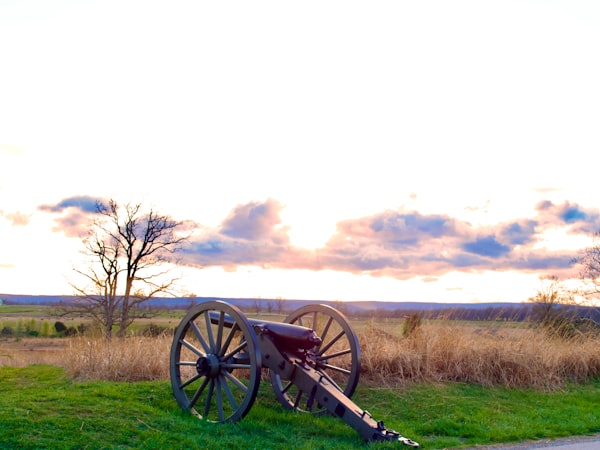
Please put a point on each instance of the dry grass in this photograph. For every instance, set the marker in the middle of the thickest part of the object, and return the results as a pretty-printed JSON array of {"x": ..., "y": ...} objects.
[
  {"x": 21, "y": 353},
  {"x": 490, "y": 356},
  {"x": 135, "y": 358},
  {"x": 92, "y": 358},
  {"x": 511, "y": 357}
]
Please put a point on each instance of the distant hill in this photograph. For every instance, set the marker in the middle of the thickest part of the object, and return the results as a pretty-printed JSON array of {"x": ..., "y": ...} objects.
[
  {"x": 461, "y": 311},
  {"x": 249, "y": 304}
]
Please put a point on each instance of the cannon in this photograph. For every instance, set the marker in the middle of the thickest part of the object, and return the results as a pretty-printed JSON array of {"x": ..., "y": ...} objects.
[{"x": 313, "y": 359}]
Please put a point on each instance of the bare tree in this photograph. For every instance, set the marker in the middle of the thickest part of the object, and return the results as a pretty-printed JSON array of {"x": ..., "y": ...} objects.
[
  {"x": 257, "y": 305},
  {"x": 553, "y": 306},
  {"x": 280, "y": 304},
  {"x": 129, "y": 252},
  {"x": 589, "y": 264},
  {"x": 548, "y": 298},
  {"x": 341, "y": 307}
]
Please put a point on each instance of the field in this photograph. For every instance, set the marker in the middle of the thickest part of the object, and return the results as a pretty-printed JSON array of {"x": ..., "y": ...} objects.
[
  {"x": 42, "y": 407},
  {"x": 444, "y": 383},
  {"x": 486, "y": 353}
]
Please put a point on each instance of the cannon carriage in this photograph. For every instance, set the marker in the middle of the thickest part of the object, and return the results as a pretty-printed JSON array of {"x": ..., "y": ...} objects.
[{"x": 313, "y": 359}]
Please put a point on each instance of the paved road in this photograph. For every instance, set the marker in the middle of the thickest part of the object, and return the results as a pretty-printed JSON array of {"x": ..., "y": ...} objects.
[{"x": 577, "y": 443}]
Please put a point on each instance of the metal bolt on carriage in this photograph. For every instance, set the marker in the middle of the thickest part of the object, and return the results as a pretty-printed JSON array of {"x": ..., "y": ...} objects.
[{"x": 313, "y": 359}]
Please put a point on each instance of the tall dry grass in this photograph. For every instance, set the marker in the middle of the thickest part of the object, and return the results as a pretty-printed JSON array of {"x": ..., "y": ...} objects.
[
  {"x": 511, "y": 357},
  {"x": 23, "y": 352},
  {"x": 135, "y": 358},
  {"x": 433, "y": 352}
]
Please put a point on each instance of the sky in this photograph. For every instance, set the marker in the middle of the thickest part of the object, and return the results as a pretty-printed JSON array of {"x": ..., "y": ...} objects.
[{"x": 332, "y": 150}]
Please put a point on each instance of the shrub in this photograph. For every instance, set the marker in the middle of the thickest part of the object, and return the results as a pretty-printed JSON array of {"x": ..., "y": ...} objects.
[
  {"x": 79, "y": 330},
  {"x": 7, "y": 331},
  {"x": 20, "y": 328},
  {"x": 411, "y": 325},
  {"x": 60, "y": 327},
  {"x": 31, "y": 326},
  {"x": 153, "y": 330},
  {"x": 559, "y": 326},
  {"x": 588, "y": 326},
  {"x": 45, "y": 329}
]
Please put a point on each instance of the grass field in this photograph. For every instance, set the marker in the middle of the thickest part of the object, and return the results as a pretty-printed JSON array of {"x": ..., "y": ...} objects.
[
  {"x": 447, "y": 384},
  {"x": 41, "y": 407}
]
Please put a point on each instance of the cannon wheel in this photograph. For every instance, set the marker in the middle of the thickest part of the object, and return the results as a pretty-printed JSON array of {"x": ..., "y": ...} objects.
[
  {"x": 338, "y": 356},
  {"x": 215, "y": 363}
]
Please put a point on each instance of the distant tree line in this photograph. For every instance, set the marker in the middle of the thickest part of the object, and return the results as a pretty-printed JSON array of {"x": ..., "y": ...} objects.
[{"x": 518, "y": 313}]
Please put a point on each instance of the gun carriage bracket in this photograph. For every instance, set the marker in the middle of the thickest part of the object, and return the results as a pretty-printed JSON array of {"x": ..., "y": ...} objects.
[{"x": 313, "y": 359}]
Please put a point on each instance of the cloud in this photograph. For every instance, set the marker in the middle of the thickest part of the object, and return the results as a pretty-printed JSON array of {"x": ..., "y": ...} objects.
[
  {"x": 83, "y": 203},
  {"x": 519, "y": 232},
  {"x": 571, "y": 215},
  {"x": 250, "y": 235},
  {"x": 429, "y": 279},
  {"x": 76, "y": 214},
  {"x": 483, "y": 207},
  {"x": 74, "y": 224},
  {"x": 486, "y": 246},
  {"x": 544, "y": 261},
  {"x": 399, "y": 244},
  {"x": 17, "y": 218},
  {"x": 546, "y": 190},
  {"x": 255, "y": 221},
  {"x": 396, "y": 243}
]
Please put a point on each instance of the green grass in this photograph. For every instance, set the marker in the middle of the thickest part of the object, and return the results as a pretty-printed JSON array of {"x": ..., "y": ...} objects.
[
  {"x": 41, "y": 408},
  {"x": 454, "y": 414},
  {"x": 30, "y": 310}
]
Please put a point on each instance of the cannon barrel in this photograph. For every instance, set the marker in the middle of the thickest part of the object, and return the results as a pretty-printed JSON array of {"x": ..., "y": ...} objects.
[{"x": 288, "y": 335}]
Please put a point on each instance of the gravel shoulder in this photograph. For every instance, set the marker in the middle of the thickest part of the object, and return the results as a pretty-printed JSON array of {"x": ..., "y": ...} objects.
[{"x": 571, "y": 443}]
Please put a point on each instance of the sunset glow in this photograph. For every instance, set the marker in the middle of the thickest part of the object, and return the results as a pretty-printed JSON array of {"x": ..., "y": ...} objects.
[{"x": 435, "y": 151}]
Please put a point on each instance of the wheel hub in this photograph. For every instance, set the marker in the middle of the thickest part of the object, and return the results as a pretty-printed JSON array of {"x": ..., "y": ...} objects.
[{"x": 209, "y": 366}]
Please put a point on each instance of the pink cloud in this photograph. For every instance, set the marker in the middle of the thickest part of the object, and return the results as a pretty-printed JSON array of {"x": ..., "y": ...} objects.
[
  {"x": 18, "y": 219},
  {"x": 399, "y": 244}
]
